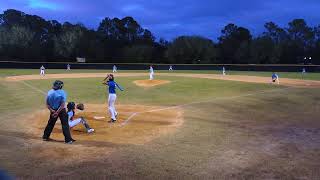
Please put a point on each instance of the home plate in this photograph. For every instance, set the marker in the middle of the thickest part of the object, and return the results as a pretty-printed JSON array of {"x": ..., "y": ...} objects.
[{"x": 99, "y": 117}]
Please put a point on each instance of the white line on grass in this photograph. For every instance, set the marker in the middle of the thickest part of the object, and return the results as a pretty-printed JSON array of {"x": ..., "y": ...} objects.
[
  {"x": 34, "y": 88},
  {"x": 199, "y": 102}
]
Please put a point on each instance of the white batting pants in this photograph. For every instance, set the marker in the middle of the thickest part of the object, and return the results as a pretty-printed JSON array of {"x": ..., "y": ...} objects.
[
  {"x": 112, "y": 109},
  {"x": 41, "y": 72}
]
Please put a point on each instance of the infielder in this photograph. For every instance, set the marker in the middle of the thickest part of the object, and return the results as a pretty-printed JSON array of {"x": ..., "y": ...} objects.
[
  {"x": 74, "y": 122},
  {"x": 68, "y": 67},
  {"x": 223, "y": 71},
  {"x": 109, "y": 81},
  {"x": 42, "y": 69},
  {"x": 151, "y": 73},
  {"x": 170, "y": 68},
  {"x": 56, "y": 100},
  {"x": 114, "y": 69},
  {"x": 275, "y": 78}
]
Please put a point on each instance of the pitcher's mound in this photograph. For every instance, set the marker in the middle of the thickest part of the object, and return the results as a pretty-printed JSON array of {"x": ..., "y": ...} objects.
[{"x": 150, "y": 83}]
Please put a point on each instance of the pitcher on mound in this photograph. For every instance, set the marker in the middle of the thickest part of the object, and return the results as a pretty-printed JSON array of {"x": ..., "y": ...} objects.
[{"x": 151, "y": 73}]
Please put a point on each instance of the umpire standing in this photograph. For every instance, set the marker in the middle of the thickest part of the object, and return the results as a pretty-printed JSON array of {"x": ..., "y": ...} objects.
[{"x": 56, "y": 100}]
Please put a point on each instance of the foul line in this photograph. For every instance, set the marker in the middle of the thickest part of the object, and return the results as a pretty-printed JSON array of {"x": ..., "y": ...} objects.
[
  {"x": 34, "y": 88},
  {"x": 199, "y": 102}
]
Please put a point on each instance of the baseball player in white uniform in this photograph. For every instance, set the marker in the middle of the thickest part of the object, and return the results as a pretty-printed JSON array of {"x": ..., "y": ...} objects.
[
  {"x": 223, "y": 71},
  {"x": 42, "y": 69},
  {"x": 112, "y": 86},
  {"x": 151, "y": 73},
  {"x": 68, "y": 67},
  {"x": 114, "y": 69},
  {"x": 170, "y": 68}
]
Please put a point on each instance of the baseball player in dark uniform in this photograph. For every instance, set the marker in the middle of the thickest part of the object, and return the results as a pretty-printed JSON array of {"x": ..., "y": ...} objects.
[{"x": 56, "y": 100}]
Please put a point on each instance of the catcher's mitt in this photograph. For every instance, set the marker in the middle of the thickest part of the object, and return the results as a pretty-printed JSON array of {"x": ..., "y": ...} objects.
[{"x": 80, "y": 106}]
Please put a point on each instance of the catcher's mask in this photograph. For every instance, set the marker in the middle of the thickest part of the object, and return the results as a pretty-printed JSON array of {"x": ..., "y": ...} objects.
[
  {"x": 57, "y": 85},
  {"x": 71, "y": 106}
]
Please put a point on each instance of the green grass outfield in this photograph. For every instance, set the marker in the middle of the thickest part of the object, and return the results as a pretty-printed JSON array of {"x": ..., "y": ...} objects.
[
  {"x": 293, "y": 75},
  {"x": 237, "y": 130}
]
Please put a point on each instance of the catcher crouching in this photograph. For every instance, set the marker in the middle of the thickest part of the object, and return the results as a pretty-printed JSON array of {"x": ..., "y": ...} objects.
[{"x": 74, "y": 122}]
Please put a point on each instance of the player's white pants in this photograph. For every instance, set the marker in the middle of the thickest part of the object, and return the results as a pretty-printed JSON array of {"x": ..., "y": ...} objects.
[
  {"x": 41, "y": 72},
  {"x": 151, "y": 76},
  {"x": 223, "y": 73},
  {"x": 75, "y": 122},
  {"x": 114, "y": 70},
  {"x": 112, "y": 109}
]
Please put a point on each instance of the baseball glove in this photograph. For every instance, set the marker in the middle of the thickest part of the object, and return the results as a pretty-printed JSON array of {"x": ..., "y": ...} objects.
[{"x": 80, "y": 106}]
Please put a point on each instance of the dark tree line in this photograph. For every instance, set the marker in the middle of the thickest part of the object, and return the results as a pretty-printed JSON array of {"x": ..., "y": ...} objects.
[{"x": 26, "y": 37}]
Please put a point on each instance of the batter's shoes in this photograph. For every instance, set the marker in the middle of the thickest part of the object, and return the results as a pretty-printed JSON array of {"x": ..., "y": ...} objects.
[{"x": 112, "y": 121}]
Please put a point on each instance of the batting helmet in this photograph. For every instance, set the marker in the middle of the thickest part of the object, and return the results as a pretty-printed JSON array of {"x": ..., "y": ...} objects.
[
  {"x": 111, "y": 77},
  {"x": 71, "y": 106},
  {"x": 57, "y": 85}
]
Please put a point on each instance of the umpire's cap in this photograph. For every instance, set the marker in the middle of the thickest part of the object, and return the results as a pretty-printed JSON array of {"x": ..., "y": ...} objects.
[{"x": 57, "y": 85}]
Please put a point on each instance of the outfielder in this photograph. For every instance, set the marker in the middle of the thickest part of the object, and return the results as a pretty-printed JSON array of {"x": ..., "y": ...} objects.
[
  {"x": 56, "y": 100},
  {"x": 170, "y": 68},
  {"x": 109, "y": 80},
  {"x": 275, "y": 78},
  {"x": 74, "y": 122},
  {"x": 151, "y": 73},
  {"x": 68, "y": 67},
  {"x": 42, "y": 69},
  {"x": 223, "y": 71},
  {"x": 114, "y": 69}
]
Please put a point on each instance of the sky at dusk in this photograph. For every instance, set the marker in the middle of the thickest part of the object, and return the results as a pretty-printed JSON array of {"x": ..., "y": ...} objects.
[{"x": 171, "y": 18}]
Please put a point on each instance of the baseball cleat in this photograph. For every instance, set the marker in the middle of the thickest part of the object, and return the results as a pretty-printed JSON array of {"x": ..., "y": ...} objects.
[
  {"x": 46, "y": 139},
  {"x": 70, "y": 142},
  {"x": 90, "y": 131},
  {"x": 112, "y": 120}
]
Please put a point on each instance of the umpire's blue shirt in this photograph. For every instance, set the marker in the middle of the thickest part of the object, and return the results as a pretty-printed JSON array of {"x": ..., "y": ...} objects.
[{"x": 55, "y": 98}]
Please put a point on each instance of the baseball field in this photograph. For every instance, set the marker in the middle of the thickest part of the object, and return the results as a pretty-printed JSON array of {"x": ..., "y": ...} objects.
[{"x": 182, "y": 125}]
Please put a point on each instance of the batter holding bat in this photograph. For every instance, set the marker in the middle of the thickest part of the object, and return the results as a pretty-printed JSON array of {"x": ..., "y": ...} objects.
[{"x": 109, "y": 81}]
